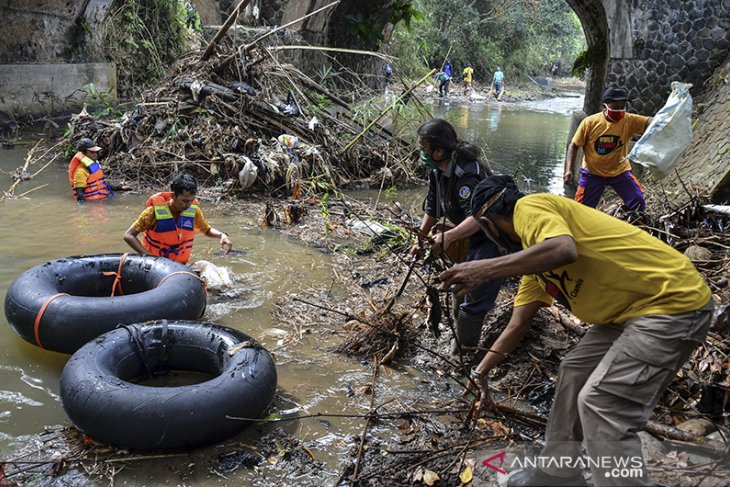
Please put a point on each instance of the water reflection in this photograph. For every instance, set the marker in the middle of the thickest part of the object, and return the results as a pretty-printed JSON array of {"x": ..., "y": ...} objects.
[{"x": 527, "y": 140}]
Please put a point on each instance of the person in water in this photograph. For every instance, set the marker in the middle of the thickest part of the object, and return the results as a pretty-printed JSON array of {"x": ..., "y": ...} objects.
[{"x": 170, "y": 222}]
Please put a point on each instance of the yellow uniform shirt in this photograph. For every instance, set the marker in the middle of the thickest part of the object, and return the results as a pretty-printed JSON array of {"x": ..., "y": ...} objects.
[
  {"x": 81, "y": 174},
  {"x": 147, "y": 221},
  {"x": 468, "y": 72},
  {"x": 621, "y": 272},
  {"x": 605, "y": 144}
]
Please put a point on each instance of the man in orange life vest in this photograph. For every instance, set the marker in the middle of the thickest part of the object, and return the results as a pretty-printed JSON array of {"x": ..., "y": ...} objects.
[
  {"x": 85, "y": 174},
  {"x": 170, "y": 222}
]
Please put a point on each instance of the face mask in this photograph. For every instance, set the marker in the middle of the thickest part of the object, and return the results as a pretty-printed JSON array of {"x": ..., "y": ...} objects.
[
  {"x": 428, "y": 160},
  {"x": 614, "y": 115}
]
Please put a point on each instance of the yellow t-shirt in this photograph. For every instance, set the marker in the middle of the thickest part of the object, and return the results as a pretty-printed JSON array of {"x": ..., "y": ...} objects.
[
  {"x": 467, "y": 74},
  {"x": 605, "y": 144},
  {"x": 81, "y": 174},
  {"x": 621, "y": 272},
  {"x": 147, "y": 221}
]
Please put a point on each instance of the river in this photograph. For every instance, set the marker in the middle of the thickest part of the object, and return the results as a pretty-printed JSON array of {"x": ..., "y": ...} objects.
[{"x": 526, "y": 139}]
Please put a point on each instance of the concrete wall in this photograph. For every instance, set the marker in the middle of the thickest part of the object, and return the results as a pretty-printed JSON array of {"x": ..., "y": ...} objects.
[
  {"x": 654, "y": 43},
  {"x": 42, "y": 89},
  {"x": 38, "y": 30}
]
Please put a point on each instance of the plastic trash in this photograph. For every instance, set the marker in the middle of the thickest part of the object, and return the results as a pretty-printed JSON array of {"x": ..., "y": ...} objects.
[
  {"x": 290, "y": 108},
  {"x": 248, "y": 174},
  {"x": 288, "y": 141},
  {"x": 216, "y": 278},
  {"x": 668, "y": 134}
]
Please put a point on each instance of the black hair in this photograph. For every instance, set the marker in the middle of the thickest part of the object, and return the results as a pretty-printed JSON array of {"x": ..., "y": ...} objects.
[
  {"x": 184, "y": 181},
  {"x": 440, "y": 134},
  {"x": 504, "y": 206}
]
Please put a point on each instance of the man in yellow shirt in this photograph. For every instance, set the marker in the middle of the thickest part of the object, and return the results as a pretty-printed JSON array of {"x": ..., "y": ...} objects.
[
  {"x": 650, "y": 308},
  {"x": 468, "y": 78},
  {"x": 171, "y": 221},
  {"x": 605, "y": 137}
]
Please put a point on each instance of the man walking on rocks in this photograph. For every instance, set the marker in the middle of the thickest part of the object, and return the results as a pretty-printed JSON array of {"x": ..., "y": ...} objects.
[{"x": 605, "y": 138}]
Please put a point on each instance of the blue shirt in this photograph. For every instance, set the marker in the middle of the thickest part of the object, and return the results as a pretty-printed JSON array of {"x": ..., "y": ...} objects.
[
  {"x": 498, "y": 76},
  {"x": 447, "y": 69}
]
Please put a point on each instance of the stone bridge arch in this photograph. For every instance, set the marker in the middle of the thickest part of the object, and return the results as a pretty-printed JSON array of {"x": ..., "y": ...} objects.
[{"x": 643, "y": 45}]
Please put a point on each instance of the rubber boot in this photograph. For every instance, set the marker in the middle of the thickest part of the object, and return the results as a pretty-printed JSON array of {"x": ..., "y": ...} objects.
[{"x": 468, "y": 330}]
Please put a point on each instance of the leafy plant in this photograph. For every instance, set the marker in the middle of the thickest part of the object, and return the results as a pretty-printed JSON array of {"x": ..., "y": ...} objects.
[
  {"x": 534, "y": 37},
  {"x": 370, "y": 26},
  {"x": 391, "y": 192},
  {"x": 144, "y": 38},
  {"x": 103, "y": 98}
]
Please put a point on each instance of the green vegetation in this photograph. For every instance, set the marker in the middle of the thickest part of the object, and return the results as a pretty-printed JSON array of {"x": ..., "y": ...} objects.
[
  {"x": 144, "y": 38},
  {"x": 107, "y": 108},
  {"x": 523, "y": 37},
  {"x": 370, "y": 26}
]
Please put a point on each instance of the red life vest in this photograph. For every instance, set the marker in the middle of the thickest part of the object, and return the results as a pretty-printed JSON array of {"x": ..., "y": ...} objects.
[
  {"x": 170, "y": 238},
  {"x": 96, "y": 187}
]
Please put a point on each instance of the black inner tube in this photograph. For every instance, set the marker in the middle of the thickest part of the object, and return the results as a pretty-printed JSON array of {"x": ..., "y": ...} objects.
[
  {"x": 100, "y": 398},
  {"x": 150, "y": 288}
]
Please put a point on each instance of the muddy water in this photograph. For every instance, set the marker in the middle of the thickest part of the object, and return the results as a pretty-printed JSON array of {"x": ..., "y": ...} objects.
[{"x": 48, "y": 224}]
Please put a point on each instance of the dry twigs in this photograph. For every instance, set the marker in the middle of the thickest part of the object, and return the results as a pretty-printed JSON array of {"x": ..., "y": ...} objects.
[{"x": 241, "y": 117}]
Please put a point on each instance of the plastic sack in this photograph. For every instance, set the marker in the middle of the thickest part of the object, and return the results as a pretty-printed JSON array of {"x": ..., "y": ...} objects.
[
  {"x": 668, "y": 134},
  {"x": 248, "y": 174},
  {"x": 215, "y": 278}
]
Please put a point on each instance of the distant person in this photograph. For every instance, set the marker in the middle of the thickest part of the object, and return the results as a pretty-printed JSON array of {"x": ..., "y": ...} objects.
[
  {"x": 86, "y": 176},
  {"x": 388, "y": 73},
  {"x": 170, "y": 222},
  {"x": 443, "y": 80},
  {"x": 498, "y": 83},
  {"x": 447, "y": 68},
  {"x": 454, "y": 172},
  {"x": 605, "y": 137},
  {"x": 467, "y": 75}
]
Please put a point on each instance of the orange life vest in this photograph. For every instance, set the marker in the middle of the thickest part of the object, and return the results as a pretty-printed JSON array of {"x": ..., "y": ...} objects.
[
  {"x": 170, "y": 238},
  {"x": 96, "y": 186}
]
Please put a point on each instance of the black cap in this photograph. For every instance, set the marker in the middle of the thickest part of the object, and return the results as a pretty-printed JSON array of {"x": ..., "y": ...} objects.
[
  {"x": 87, "y": 144},
  {"x": 615, "y": 94},
  {"x": 491, "y": 186}
]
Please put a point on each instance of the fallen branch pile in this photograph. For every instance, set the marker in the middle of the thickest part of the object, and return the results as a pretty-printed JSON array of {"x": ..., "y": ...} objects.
[{"x": 244, "y": 118}]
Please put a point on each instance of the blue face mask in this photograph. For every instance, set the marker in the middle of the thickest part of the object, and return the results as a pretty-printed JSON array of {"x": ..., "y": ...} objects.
[{"x": 428, "y": 160}]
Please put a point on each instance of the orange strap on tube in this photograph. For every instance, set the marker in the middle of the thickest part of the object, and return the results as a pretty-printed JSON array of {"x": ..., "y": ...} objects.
[
  {"x": 118, "y": 276},
  {"x": 36, "y": 327}
]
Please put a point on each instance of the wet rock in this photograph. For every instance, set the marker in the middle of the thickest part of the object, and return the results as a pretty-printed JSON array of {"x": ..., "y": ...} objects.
[
  {"x": 695, "y": 252},
  {"x": 697, "y": 426}
]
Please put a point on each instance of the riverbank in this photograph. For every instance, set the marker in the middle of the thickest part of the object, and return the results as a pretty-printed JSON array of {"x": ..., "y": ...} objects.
[
  {"x": 419, "y": 419},
  {"x": 402, "y": 398},
  {"x": 519, "y": 92}
]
